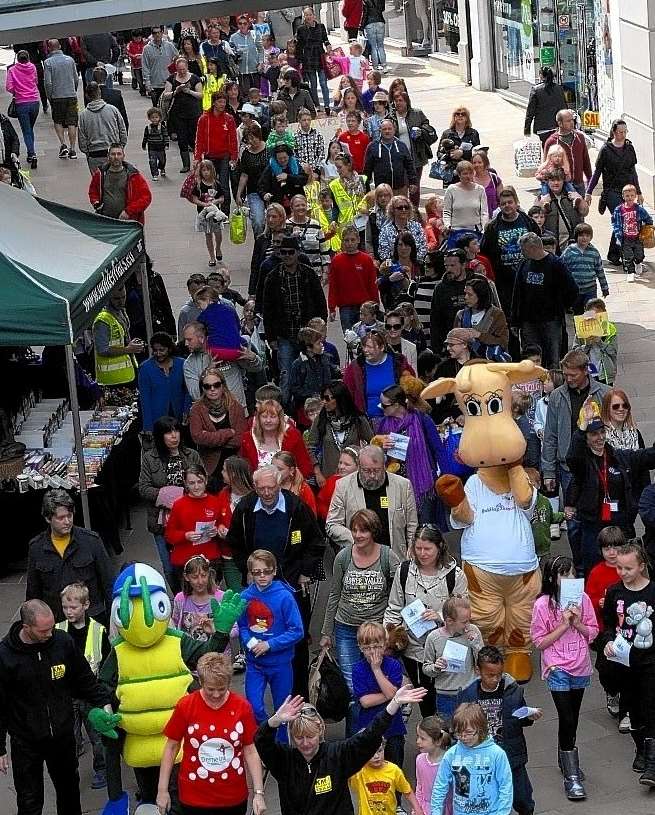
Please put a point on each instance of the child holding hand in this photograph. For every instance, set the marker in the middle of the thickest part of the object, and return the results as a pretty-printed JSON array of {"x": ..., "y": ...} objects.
[{"x": 378, "y": 784}]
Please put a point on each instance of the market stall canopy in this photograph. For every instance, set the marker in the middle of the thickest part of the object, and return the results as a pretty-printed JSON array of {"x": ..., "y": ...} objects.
[{"x": 57, "y": 265}]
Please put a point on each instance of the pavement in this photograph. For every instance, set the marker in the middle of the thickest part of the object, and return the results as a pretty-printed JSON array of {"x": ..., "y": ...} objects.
[{"x": 177, "y": 252}]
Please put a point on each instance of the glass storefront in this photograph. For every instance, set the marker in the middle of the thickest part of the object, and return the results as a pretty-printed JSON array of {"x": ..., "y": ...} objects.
[
  {"x": 515, "y": 41},
  {"x": 429, "y": 24}
]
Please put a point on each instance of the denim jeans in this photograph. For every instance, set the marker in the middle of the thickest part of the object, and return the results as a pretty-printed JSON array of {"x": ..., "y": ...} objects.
[
  {"x": 222, "y": 167},
  {"x": 573, "y": 527},
  {"x": 324, "y": 86},
  {"x": 287, "y": 351},
  {"x": 375, "y": 36},
  {"x": 348, "y": 315},
  {"x": 348, "y": 653},
  {"x": 26, "y": 113},
  {"x": 257, "y": 213},
  {"x": 157, "y": 162},
  {"x": 548, "y": 335}
]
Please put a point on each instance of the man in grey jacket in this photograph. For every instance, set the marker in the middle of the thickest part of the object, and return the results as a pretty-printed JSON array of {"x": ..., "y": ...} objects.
[
  {"x": 60, "y": 78},
  {"x": 157, "y": 56},
  {"x": 101, "y": 125},
  {"x": 564, "y": 406}
]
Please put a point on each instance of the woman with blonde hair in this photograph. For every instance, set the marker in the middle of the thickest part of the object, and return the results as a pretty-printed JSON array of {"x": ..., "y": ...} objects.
[
  {"x": 465, "y": 206},
  {"x": 292, "y": 478},
  {"x": 271, "y": 432},
  {"x": 458, "y": 141},
  {"x": 620, "y": 428}
]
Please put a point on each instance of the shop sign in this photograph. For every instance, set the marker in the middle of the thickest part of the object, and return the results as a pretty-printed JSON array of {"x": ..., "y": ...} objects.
[
  {"x": 547, "y": 55},
  {"x": 564, "y": 21},
  {"x": 591, "y": 119}
]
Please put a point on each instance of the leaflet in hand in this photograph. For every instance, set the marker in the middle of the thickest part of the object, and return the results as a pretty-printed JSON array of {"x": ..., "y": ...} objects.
[
  {"x": 525, "y": 711},
  {"x": 621, "y": 651},
  {"x": 570, "y": 592},
  {"x": 455, "y": 655},
  {"x": 411, "y": 615},
  {"x": 400, "y": 445},
  {"x": 466, "y": 146},
  {"x": 207, "y": 530}
]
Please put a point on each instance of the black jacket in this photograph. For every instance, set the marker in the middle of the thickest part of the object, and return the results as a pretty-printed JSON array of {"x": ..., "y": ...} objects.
[
  {"x": 421, "y": 150},
  {"x": 281, "y": 193},
  {"x": 273, "y": 311},
  {"x": 85, "y": 561},
  {"x": 535, "y": 302},
  {"x": 617, "y": 167},
  {"x": 389, "y": 164},
  {"x": 114, "y": 97},
  {"x": 447, "y": 300},
  {"x": 584, "y": 492},
  {"x": 373, "y": 12},
  {"x": 543, "y": 106},
  {"x": 471, "y": 136},
  {"x": 11, "y": 140},
  {"x": 301, "y": 557},
  {"x": 302, "y": 99},
  {"x": 513, "y": 740},
  {"x": 310, "y": 45},
  {"x": 38, "y": 684},
  {"x": 309, "y": 375},
  {"x": 99, "y": 48},
  {"x": 319, "y": 787}
]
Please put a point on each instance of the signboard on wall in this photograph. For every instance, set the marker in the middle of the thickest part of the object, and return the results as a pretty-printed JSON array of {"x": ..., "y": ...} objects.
[
  {"x": 547, "y": 55},
  {"x": 591, "y": 119}
]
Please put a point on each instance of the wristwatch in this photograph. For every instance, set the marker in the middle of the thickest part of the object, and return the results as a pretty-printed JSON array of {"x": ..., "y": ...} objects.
[{"x": 259, "y": 792}]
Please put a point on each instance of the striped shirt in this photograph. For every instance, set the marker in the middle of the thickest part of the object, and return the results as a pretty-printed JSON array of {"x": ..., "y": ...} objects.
[
  {"x": 423, "y": 302},
  {"x": 312, "y": 243},
  {"x": 585, "y": 266}
]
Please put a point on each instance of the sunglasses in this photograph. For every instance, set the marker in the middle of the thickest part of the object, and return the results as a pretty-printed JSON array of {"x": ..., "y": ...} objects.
[
  {"x": 310, "y": 712},
  {"x": 383, "y": 406},
  {"x": 402, "y": 207},
  {"x": 393, "y": 326},
  {"x": 287, "y": 251},
  {"x": 261, "y": 572},
  {"x": 212, "y": 386},
  {"x": 620, "y": 405}
]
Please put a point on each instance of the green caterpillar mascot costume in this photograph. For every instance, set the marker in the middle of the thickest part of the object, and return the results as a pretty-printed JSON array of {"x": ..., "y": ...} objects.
[{"x": 149, "y": 670}]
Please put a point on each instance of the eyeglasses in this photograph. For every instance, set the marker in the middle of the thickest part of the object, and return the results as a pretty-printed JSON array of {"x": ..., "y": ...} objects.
[
  {"x": 212, "y": 386},
  {"x": 393, "y": 326},
  {"x": 371, "y": 470},
  {"x": 261, "y": 572},
  {"x": 459, "y": 113},
  {"x": 402, "y": 207},
  {"x": 620, "y": 405},
  {"x": 287, "y": 251}
]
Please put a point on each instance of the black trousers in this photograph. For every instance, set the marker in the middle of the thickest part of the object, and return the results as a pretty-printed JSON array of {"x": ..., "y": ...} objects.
[
  {"x": 60, "y": 757},
  {"x": 186, "y": 134},
  {"x": 301, "y": 652},
  {"x": 414, "y": 670}
]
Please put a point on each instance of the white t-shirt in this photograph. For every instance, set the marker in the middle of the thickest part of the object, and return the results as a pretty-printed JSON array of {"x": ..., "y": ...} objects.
[
  {"x": 500, "y": 538},
  {"x": 476, "y": 317}
]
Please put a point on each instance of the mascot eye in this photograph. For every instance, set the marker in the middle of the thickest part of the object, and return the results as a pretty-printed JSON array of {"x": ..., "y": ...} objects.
[
  {"x": 473, "y": 407},
  {"x": 161, "y": 605},
  {"x": 116, "y": 612},
  {"x": 495, "y": 405}
]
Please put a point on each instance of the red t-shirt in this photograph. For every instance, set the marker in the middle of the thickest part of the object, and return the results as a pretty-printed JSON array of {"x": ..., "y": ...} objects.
[
  {"x": 212, "y": 772},
  {"x": 357, "y": 144}
]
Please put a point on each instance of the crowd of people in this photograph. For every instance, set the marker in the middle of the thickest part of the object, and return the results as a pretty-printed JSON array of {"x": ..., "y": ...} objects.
[{"x": 265, "y": 447}]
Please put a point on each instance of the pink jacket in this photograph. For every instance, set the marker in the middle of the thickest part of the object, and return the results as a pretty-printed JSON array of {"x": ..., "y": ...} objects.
[
  {"x": 21, "y": 82},
  {"x": 570, "y": 652}
]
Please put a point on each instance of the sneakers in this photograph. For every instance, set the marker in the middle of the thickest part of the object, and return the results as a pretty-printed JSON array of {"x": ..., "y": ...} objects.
[
  {"x": 72, "y": 154},
  {"x": 239, "y": 664},
  {"x": 155, "y": 178},
  {"x": 613, "y": 705},
  {"x": 99, "y": 780},
  {"x": 555, "y": 532},
  {"x": 162, "y": 173},
  {"x": 386, "y": 70},
  {"x": 624, "y": 724},
  {"x": 63, "y": 151}
]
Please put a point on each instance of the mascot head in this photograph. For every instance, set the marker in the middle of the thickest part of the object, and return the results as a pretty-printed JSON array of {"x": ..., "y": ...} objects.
[
  {"x": 141, "y": 607},
  {"x": 483, "y": 391}
]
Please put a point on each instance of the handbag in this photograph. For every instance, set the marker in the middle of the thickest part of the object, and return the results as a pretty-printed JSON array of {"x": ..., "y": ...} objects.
[
  {"x": 442, "y": 171},
  {"x": 11, "y": 110},
  {"x": 647, "y": 236},
  {"x": 330, "y": 65},
  {"x": 527, "y": 157}
]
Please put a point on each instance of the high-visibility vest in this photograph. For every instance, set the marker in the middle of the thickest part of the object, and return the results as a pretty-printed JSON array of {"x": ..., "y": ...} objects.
[
  {"x": 113, "y": 370},
  {"x": 210, "y": 85},
  {"x": 93, "y": 644},
  {"x": 348, "y": 205}
]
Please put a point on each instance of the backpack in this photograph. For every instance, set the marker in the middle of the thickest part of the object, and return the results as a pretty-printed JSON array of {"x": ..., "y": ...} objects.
[{"x": 450, "y": 577}]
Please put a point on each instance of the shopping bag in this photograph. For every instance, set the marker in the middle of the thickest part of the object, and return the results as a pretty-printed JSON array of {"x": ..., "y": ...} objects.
[
  {"x": 442, "y": 171},
  {"x": 449, "y": 462},
  {"x": 527, "y": 157},
  {"x": 647, "y": 236},
  {"x": 238, "y": 226},
  {"x": 328, "y": 691},
  {"x": 331, "y": 65}
]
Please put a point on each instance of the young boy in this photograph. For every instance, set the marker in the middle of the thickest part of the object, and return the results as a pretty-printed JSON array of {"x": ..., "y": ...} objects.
[
  {"x": 627, "y": 220},
  {"x": 373, "y": 81},
  {"x": 222, "y": 324},
  {"x": 319, "y": 324},
  {"x": 269, "y": 629},
  {"x": 375, "y": 679},
  {"x": 90, "y": 638},
  {"x": 538, "y": 215},
  {"x": 602, "y": 351},
  {"x": 475, "y": 262},
  {"x": 155, "y": 140},
  {"x": 585, "y": 264},
  {"x": 457, "y": 628},
  {"x": 545, "y": 520},
  {"x": 355, "y": 139},
  {"x": 499, "y": 696},
  {"x": 378, "y": 784},
  {"x": 280, "y": 134}
]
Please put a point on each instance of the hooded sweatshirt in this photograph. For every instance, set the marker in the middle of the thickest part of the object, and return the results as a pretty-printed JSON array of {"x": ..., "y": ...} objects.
[
  {"x": 481, "y": 779},
  {"x": 22, "y": 83},
  {"x": 38, "y": 684},
  {"x": 271, "y": 616},
  {"x": 100, "y": 126}
]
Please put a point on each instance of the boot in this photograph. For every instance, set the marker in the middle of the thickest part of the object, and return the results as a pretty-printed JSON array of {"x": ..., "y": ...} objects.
[
  {"x": 639, "y": 762},
  {"x": 581, "y": 774},
  {"x": 648, "y": 776},
  {"x": 186, "y": 162},
  {"x": 571, "y": 770}
]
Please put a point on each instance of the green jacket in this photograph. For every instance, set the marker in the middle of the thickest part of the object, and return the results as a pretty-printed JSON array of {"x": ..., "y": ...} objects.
[
  {"x": 604, "y": 354},
  {"x": 544, "y": 515}
]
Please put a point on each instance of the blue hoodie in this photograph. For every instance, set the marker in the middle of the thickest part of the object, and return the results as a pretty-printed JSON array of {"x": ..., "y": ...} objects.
[
  {"x": 271, "y": 615},
  {"x": 481, "y": 779}
]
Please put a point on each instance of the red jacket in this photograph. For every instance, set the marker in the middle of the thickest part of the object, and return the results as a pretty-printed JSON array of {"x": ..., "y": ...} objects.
[
  {"x": 134, "y": 50},
  {"x": 216, "y": 136},
  {"x": 576, "y": 153},
  {"x": 601, "y": 577},
  {"x": 292, "y": 442},
  {"x": 138, "y": 195},
  {"x": 352, "y": 11},
  {"x": 352, "y": 280},
  {"x": 184, "y": 514},
  {"x": 324, "y": 497},
  {"x": 356, "y": 144}
]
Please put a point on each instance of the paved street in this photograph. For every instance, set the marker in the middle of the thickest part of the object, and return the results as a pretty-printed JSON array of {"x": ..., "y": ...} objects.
[{"x": 177, "y": 252}]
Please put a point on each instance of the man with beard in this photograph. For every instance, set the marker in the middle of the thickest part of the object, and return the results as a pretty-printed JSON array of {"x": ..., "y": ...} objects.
[{"x": 390, "y": 496}]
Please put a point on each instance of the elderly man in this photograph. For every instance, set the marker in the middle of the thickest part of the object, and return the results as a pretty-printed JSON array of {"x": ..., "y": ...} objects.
[
  {"x": 574, "y": 143},
  {"x": 390, "y": 496},
  {"x": 195, "y": 340},
  {"x": 277, "y": 520},
  {"x": 41, "y": 672},
  {"x": 65, "y": 554},
  {"x": 543, "y": 290}
]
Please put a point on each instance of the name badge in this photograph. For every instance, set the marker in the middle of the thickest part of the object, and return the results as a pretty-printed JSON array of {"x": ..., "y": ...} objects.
[
  {"x": 614, "y": 506},
  {"x": 384, "y": 502},
  {"x": 296, "y": 536},
  {"x": 323, "y": 785}
]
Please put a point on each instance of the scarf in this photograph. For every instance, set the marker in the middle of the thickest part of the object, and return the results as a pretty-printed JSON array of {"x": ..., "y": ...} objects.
[
  {"x": 340, "y": 424},
  {"x": 418, "y": 463},
  {"x": 625, "y": 439},
  {"x": 292, "y": 167},
  {"x": 216, "y": 409}
]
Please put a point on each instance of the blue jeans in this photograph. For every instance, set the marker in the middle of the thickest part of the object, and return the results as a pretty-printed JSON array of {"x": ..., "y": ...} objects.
[
  {"x": 375, "y": 35},
  {"x": 287, "y": 351},
  {"x": 446, "y": 705},
  {"x": 573, "y": 527},
  {"x": 27, "y": 113},
  {"x": 348, "y": 315},
  {"x": 348, "y": 653},
  {"x": 559, "y": 680},
  {"x": 280, "y": 679},
  {"x": 222, "y": 167},
  {"x": 324, "y": 86},
  {"x": 166, "y": 565},
  {"x": 257, "y": 213}
]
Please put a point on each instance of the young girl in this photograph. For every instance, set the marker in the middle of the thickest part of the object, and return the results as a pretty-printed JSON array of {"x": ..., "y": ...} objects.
[
  {"x": 476, "y": 769},
  {"x": 432, "y": 740},
  {"x": 626, "y": 612},
  {"x": 556, "y": 158},
  {"x": 237, "y": 477},
  {"x": 412, "y": 330},
  {"x": 328, "y": 168},
  {"x": 291, "y": 57},
  {"x": 380, "y": 112},
  {"x": 347, "y": 101},
  {"x": 356, "y": 66},
  {"x": 553, "y": 380},
  {"x": 208, "y": 195},
  {"x": 192, "y": 606},
  {"x": 355, "y": 139},
  {"x": 270, "y": 51},
  {"x": 434, "y": 225},
  {"x": 221, "y": 322},
  {"x": 563, "y": 636}
]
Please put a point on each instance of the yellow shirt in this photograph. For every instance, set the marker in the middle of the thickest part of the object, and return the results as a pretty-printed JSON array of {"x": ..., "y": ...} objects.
[
  {"x": 60, "y": 543},
  {"x": 376, "y": 788}
]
